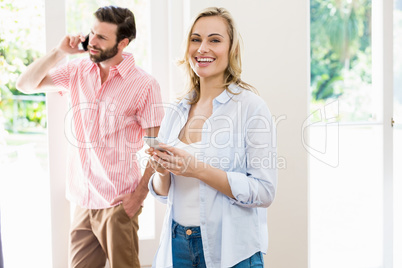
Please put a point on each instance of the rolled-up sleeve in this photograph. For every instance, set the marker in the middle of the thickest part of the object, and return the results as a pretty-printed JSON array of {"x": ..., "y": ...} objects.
[
  {"x": 160, "y": 198},
  {"x": 256, "y": 185}
]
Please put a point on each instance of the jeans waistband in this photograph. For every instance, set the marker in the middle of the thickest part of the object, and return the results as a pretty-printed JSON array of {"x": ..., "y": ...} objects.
[{"x": 187, "y": 232}]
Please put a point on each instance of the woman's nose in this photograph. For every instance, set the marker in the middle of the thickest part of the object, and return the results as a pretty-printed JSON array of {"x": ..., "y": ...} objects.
[{"x": 203, "y": 48}]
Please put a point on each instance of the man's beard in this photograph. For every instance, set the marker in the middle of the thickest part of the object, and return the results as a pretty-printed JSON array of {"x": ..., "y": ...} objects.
[{"x": 103, "y": 54}]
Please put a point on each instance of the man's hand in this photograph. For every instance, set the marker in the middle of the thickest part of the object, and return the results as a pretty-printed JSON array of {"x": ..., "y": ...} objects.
[
  {"x": 70, "y": 44},
  {"x": 131, "y": 201}
]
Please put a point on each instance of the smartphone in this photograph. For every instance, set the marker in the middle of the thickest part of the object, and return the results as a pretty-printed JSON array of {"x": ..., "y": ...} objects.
[
  {"x": 85, "y": 43},
  {"x": 153, "y": 142}
]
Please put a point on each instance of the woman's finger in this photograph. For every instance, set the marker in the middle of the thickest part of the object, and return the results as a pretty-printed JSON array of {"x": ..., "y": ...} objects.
[
  {"x": 149, "y": 151},
  {"x": 157, "y": 167},
  {"x": 164, "y": 163},
  {"x": 178, "y": 166},
  {"x": 171, "y": 149},
  {"x": 164, "y": 155}
]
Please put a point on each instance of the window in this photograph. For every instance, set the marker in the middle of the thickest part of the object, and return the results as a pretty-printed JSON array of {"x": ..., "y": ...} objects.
[
  {"x": 397, "y": 42},
  {"x": 346, "y": 138},
  {"x": 24, "y": 179}
]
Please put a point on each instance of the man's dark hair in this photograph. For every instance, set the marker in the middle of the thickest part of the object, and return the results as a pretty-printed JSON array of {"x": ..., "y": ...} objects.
[{"x": 122, "y": 17}]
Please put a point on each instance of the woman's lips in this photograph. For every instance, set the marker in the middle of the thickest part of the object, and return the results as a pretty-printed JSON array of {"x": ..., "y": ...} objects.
[{"x": 205, "y": 61}]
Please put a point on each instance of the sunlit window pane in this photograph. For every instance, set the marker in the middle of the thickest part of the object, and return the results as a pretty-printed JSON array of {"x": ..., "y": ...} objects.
[
  {"x": 397, "y": 133},
  {"x": 346, "y": 193},
  {"x": 346, "y": 201},
  {"x": 397, "y": 197},
  {"x": 398, "y": 61}
]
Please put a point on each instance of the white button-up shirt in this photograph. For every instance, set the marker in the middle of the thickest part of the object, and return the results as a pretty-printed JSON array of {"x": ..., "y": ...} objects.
[{"x": 239, "y": 138}]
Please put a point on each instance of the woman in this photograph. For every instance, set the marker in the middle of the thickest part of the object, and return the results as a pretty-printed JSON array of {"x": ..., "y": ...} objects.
[{"x": 218, "y": 175}]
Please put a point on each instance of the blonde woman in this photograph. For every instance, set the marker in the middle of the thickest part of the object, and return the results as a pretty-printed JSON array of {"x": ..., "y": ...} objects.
[{"x": 217, "y": 174}]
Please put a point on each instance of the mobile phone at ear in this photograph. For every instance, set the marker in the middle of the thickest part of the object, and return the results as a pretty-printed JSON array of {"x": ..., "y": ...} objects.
[
  {"x": 85, "y": 43},
  {"x": 153, "y": 142}
]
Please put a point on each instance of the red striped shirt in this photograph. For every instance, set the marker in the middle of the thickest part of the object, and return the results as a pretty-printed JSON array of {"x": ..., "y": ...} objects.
[{"x": 105, "y": 126}]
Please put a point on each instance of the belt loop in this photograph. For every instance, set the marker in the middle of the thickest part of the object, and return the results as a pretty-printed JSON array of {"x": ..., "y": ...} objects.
[{"x": 174, "y": 226}]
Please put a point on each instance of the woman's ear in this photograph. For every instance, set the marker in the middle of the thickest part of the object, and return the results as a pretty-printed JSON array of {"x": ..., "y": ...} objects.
[{"x": 237, "y": 51}]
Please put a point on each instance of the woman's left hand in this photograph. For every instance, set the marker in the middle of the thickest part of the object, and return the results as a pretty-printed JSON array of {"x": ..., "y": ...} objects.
[{"x": 179, "y": 161}]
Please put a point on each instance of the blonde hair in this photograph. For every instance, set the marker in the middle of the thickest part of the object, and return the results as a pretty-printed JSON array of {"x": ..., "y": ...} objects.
[{"x": 233, "y": 71}]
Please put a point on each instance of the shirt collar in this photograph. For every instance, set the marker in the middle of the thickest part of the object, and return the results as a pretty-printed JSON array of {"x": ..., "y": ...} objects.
[
  {"x": 184, "y": 103},
  {"x": 122, "y": 68},
  {"x": 126, "y": 65},
  {"x": 89, "y": 65},
  {"x": 224, "y": 97}
]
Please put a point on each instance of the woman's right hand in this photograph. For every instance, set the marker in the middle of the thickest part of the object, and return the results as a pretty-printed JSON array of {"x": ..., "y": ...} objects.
[
  {"x": 161, "y": 183},
  {"x": 154, "y": 164}
]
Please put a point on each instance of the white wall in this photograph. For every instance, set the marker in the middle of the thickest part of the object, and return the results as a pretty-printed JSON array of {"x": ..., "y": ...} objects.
[
  {"x": 56, "y": 105},
  {"x": 276, "y": 61}
]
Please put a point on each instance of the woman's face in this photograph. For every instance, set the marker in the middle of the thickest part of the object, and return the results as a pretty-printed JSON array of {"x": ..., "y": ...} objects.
[{"x": 209, "y": 45}]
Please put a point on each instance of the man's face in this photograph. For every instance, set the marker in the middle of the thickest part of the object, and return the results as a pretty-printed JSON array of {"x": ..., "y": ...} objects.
[{"x": 102, "y": 41}]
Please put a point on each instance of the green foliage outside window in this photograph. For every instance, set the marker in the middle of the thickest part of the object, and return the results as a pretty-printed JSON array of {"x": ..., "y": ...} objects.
[
  {"x": 21, "y": 42},
  {"x": 341, "y": 55}
]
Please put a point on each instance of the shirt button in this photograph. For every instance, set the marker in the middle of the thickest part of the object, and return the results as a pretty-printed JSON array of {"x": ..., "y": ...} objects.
[{"x": 189, "y": 232}]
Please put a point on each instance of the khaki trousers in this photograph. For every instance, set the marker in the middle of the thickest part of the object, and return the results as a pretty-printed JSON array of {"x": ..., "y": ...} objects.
[{"x": 97, "y": 234}]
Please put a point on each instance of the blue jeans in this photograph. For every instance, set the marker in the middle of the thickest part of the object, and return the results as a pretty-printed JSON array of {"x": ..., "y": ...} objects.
[
  {"x": 255, "y": 261},
  {"x": 187, "y": 249}
]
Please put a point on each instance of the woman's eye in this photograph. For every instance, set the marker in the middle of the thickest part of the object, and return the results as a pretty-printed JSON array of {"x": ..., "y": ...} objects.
[
  {"x": 215, "y": 41},
  {"x": 195, "y": 40}
]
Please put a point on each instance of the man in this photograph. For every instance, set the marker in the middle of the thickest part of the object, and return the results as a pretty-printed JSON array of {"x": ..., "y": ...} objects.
[{"x": 114, "y": 103}]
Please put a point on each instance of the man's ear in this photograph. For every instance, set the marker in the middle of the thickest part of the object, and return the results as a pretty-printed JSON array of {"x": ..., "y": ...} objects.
[{"x": 123, "y": 43}]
